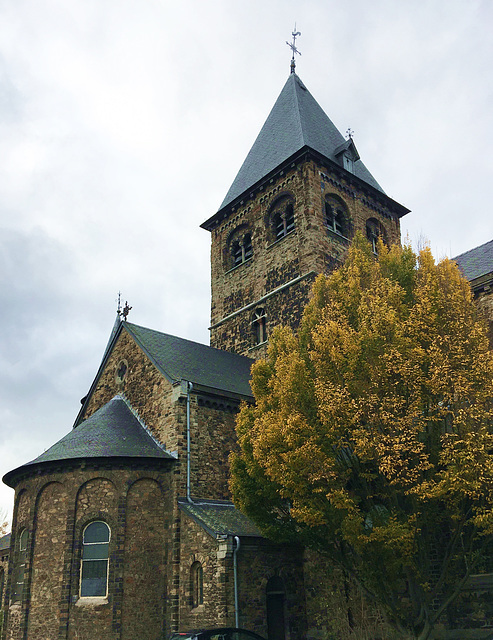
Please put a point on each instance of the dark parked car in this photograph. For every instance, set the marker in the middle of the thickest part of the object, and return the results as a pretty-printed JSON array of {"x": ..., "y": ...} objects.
[{"x": 216, "y": 634}]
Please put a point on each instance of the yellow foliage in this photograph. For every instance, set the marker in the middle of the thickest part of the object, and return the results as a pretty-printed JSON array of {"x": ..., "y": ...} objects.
[{"x": 375, "y": 421}]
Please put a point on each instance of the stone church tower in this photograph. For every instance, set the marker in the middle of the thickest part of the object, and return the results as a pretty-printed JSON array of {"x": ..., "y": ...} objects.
[
  {"x": 124, "y": 529},
  {"x": 289, "y": 215}
]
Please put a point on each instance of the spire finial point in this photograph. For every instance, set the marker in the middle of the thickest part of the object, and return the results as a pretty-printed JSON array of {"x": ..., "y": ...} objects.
[{"x": 292, "y": 46}]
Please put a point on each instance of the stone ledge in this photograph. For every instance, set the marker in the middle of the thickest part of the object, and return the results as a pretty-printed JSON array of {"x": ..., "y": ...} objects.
[{"x": 94, "y": 601}]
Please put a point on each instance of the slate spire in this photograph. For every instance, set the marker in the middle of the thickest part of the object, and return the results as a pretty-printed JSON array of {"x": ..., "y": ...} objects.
[{"x": 296, "y": 121}]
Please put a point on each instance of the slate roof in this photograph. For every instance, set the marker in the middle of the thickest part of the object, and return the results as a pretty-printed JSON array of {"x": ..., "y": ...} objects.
[
  {"x": 296, "y": 121},
  {"x": 5, "y": 542},
  {"x": 111, "y": 432},
  {"x": 179, "y": 359},
  {"x": 220, "y": 518},
  {"x": 477, "y": 262}
]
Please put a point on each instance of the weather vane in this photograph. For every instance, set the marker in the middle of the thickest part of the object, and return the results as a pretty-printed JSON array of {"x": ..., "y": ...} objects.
[
  {"x": 349, "y": 133},
  {"x": 123, "y": 313},
  {"x": 292, "y": 46}
]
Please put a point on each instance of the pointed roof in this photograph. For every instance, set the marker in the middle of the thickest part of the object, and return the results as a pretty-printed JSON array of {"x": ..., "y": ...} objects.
[
  {"x": 113, "y": 431},
  {"x": 295, "y": 122}
]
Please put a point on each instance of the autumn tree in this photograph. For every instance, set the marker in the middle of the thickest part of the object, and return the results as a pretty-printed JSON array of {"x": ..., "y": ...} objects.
[{"x": 370, "y": 439}]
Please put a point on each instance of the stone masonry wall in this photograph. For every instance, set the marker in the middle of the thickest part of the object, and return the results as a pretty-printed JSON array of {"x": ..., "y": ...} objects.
[
  {"x": 163, "y": 409},
  {"x": 213, "y": 437},
  {"x": 55, "y": 506},
  {"x": 218, "y": 606},
  {"x": 45, "y": 620},
  {"x": 145, "y": 561},
  {"x": 308, "y": 250},
  {"x": 259, "y": 561},
  {"x": 147, "y": 390}
]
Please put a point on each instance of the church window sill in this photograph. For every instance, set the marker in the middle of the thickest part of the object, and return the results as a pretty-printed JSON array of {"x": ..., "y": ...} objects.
[
  {"x": 337, "y": 236},
  {"x": 94, "y": 601},
  {"x": 288, "y": 234},
  {"x": 242, "y": 264},
  {"x": 257, "y": 346}
]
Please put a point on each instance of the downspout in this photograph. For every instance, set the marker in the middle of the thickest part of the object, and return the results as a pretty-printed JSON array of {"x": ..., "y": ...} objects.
[
  {"x": 235, "y": 580},
  {"x": 189, "y": 388}
]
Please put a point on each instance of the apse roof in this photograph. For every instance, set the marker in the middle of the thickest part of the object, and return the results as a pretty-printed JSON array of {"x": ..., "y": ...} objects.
[
  {"x": 220, "y": 518},
  {"x": 477, "y": 262},
  {"x": 179, "y": 359},
  {"x": 113, "y": 431},
  {"x": 296, "y": 121}
]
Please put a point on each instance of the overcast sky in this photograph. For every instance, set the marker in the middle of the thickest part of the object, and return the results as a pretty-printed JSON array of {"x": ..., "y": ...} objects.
[{"x": 123, "y": 124}]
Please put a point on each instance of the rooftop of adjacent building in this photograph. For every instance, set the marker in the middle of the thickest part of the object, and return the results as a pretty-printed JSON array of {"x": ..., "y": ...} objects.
[
  {"x": 477, "y": 262},
  {"x": 5, "y": 543}
]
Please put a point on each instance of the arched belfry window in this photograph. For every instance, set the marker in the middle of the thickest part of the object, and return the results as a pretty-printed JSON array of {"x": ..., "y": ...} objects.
[
  {"x": 20, "y": 568},
  {"x": 276, "y": 597},
  {"x": 95, "y": 560},
  {"x": 236, "y": 253},
  {"x": 282, "y": 218},
  {"x": 259, "y": 326},
  {"x": 336, "y": 217},
  {"x": 240, "y": 248},
  {"x": 374, "y": 231},
  {"x": 197, "y": 584}
]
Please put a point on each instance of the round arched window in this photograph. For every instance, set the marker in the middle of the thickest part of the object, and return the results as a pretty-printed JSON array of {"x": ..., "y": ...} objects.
[
  {"x": 95, "y": 559},
  {"x": 336, "y": 217},
  {"x": 374, "y": 231}
]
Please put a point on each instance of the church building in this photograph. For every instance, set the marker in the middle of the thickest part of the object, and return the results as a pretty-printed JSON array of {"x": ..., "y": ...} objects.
[{"x": 124, "y": 529}]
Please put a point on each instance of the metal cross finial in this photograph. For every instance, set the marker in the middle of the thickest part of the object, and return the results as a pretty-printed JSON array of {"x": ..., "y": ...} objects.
[
  {"x": 349, "y": 133},
  {"x": 292, "y": 46}
]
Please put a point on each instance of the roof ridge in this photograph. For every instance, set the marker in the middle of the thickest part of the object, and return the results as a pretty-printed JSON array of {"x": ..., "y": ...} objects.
[
  {"x": 297, "y": 83},
  {"x": 141, "y": 421}
]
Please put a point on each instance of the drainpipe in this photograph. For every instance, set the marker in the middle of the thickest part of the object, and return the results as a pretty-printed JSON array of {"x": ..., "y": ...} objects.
[
  {"x": 235, "y": 576},
  {"x": 189, "y": 388}
]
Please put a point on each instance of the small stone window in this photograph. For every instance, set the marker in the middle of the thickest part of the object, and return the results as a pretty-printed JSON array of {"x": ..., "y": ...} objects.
[
  {"x": 259, "y": 326},
  {"x": 95, "y": 560},
  {"x": 284, "y": 222},
  {"x": 374, "y": 231},
  {"x": 240, "y": 249},
  {"x": 336, "y": 217},
  {"x": 281, "y": 218},
  {"x": 197, "y": 584},
  {"x": 21, "y": 567}
]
